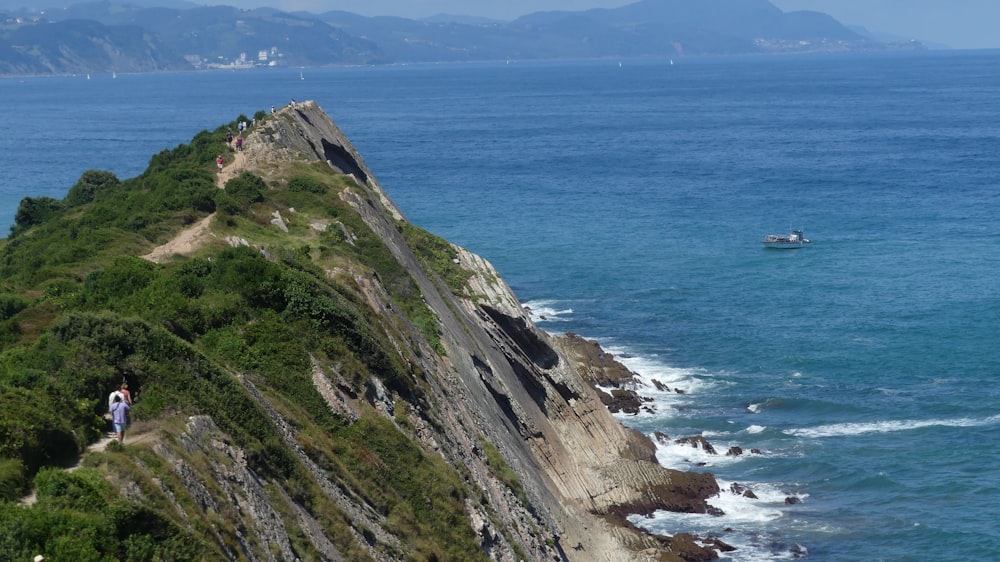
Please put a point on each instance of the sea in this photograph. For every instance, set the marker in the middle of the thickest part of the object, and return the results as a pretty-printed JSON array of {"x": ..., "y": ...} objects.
[{"x": 626, "y": 201}]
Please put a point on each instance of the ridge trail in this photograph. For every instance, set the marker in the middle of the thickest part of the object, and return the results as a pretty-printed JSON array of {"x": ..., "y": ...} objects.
[{"x": 193, "y": 236}]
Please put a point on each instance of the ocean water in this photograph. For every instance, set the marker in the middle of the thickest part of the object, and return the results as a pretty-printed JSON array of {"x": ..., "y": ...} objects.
[{"x": 626, "y": 200}]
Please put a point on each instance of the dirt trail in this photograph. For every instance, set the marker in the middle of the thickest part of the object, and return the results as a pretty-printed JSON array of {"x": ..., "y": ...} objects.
[
  {"x": 189, "y": 239},
  {"x": 232, "y": 170},
  {"x": 143, "y": 435}
]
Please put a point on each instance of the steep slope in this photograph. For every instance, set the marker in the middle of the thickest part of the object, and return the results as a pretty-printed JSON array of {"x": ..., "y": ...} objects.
[{"x": 325, "y": 381}]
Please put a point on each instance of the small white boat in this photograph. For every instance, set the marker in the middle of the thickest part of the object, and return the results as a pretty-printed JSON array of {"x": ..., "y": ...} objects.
[{"x": 791, "y": 241}]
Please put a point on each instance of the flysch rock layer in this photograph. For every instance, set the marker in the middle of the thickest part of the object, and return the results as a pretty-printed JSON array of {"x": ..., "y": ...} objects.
[{"x": 503, "y": 380}]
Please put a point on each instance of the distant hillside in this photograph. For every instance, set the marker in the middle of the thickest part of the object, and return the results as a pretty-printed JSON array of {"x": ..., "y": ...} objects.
[
  {"x": 644, "y": 28},
  {"x": 80, "y": 46},
  {"x": 139, "y": 38}
]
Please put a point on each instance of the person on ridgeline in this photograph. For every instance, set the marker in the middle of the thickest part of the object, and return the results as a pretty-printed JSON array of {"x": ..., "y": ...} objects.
[
  {"x": 219, "y": 162},
  {"x": 239, "y": 143},
  {"x": 272, "y": 110},
  {"x": 119, "y": 417},
  {"x": 229, "y": 138}
]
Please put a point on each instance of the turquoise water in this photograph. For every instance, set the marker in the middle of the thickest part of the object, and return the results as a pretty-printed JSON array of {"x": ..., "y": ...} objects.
[{"x": 627, "y": 204}]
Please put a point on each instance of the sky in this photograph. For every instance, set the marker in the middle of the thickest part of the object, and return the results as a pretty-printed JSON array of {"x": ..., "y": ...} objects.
[{"x": 959, "y": 24}]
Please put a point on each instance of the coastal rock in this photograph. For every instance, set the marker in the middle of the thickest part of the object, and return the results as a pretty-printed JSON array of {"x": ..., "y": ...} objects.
[
  {"x": 623, "y": 401},
  {"x": 698, "y": 442}
]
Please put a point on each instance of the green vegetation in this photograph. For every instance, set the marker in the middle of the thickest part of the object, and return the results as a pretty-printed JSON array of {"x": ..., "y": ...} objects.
[
  {"x": 502, "y": 471},
  {"x": 80, "y": 517},
  {"x": 438, "y": 255},
  {"x": 80, "y": 313}
]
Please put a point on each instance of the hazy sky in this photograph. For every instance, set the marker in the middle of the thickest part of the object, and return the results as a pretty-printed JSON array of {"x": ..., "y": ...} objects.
[{"x": 961, "y": 24}]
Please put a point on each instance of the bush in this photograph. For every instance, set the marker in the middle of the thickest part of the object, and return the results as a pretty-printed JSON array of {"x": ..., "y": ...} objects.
[
  {"x": 82, "y": 490},
  {"x": 126, "y": 276},
  {"x": 13, "y": 479},
  {"x": 33, "y": 211},
  {"x": 11, "y": 304},
  {"x": 86, "y": 188},
  {"x": 247, "y": 188},
  {"x": 306, "y": 184},
  {"x": 35, "y": 429}
]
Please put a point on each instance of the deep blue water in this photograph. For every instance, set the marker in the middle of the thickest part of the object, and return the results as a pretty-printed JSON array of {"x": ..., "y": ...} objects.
[{"x": 627, "y": 204}]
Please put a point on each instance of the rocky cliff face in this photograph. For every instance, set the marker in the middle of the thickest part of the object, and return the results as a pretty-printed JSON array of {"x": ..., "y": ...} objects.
[
  {"x": 541, "y": 469},
  {"x": 505, "y": 380}
]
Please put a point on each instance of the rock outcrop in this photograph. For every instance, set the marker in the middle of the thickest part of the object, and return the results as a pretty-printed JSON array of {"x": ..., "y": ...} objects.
[
  {"x": 531, "y": 395},
  {"x": 548, "y": 473}
]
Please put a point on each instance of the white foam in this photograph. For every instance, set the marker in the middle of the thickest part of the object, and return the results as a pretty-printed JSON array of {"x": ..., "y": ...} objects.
[
  {"x": 739, "y": 526},
  {"x": 684, "y": 456},
  {"x": 755, "y": 429},
  {"x": 547, "y": 311},
  {"x": 890, "y": 426},
  {"x": 648, "y": 369},
  {"x": 758, "y": 407}
]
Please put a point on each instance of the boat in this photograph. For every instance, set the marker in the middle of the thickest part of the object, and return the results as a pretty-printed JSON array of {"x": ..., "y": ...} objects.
[{"x": 791, "y": 241}]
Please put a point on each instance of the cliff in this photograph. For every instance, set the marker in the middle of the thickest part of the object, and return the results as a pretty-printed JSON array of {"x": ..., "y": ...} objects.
[{"x": 315, "y": 378}]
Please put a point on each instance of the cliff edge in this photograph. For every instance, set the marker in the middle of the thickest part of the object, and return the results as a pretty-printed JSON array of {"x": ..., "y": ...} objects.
[{"x": 517, "y": 385}]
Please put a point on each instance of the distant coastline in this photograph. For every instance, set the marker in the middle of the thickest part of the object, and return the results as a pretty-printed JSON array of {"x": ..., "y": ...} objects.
[{"x": 133, "y": 39}]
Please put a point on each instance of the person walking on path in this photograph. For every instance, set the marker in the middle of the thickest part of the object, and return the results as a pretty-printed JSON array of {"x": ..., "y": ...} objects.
[
  {"x": 119, "y": 417},
  {"x": 239, "y": 143},
  {"x": 219, "y": 162},
  {"x": 115, "y": 396},
  {"x": 126, "y": 395}
]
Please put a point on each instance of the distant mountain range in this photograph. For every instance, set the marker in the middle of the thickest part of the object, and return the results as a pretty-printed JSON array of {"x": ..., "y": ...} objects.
[{"x": 111, "y": 36}]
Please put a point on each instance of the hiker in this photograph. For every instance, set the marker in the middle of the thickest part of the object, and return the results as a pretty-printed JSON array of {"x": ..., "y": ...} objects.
[
  {"x": 239, "y": 143},
  {"x": 229, "y": 138},
  {"x": 219, "y": 162},
  {"x": 119, "y": 417},
  {"x": 126, "y": 395},
  {"x": 272, "y": 110},
  {"x": 116, "y": 393}
]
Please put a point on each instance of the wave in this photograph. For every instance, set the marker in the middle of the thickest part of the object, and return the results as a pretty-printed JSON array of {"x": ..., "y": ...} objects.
[
  {"x": 860, "y": 428},
  {"x": 543, "y": 310},
  {"x": 747, "y": 523},
  {"x": 651, "y": 370}
]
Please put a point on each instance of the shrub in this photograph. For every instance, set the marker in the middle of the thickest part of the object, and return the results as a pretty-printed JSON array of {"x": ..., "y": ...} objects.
[
  {"x": 306, "y": 184},
  {"x": 82, "y": 490},
  {"x": 247, "y": 187},
  {"x": 11, "y": 304},
  {"x": 35, "y": 429},
  {"x": 33, "y": 211},
  {"x": 86, "y": 188},
  {"x": 13, "y": 479},
  {"x": 125, "y": 276}
]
